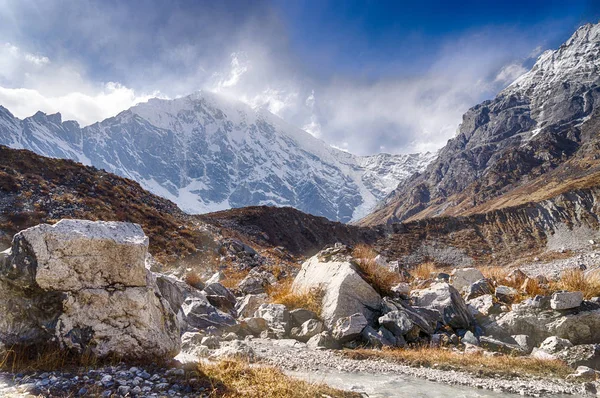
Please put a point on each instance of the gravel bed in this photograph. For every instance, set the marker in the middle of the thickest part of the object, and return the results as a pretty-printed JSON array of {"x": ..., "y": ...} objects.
[
  {"x": 294, "y": 356},
  {"x": 110, "y": 381}
]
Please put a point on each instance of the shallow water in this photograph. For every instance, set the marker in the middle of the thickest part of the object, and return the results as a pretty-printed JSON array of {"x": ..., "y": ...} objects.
[{"x": 398, "y": 386}]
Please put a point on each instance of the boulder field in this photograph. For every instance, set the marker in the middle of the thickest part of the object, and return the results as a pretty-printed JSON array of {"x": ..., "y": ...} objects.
[{"x": 86, "y": 287}]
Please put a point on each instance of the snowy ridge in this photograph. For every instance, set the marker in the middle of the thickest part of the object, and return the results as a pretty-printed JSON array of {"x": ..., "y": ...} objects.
[{"x": 207, "y": 152}]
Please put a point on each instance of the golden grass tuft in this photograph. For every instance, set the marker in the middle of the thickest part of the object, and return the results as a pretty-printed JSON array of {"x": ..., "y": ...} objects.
[
  {"x": 283, "y": 294},
  {"x": 380, "y": 278},
  {"x": 193, "y": 279},
  {"x": 235, "y": 379},
  {"x": 476, "y": 362},
  {"x": 577, "y": 280},
  {"x": 424, "y": 270}
]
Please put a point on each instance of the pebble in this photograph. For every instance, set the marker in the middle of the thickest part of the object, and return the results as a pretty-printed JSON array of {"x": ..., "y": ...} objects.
[{"x": 109, "y": 381}]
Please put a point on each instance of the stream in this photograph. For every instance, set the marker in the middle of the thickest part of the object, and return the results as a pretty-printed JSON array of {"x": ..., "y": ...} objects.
[{"x": 400, "y": 386}]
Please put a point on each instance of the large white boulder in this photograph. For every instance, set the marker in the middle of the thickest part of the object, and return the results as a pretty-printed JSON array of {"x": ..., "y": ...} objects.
[
  {"x": 345, "y": 292},
  {"x": 84, "y": 285}
]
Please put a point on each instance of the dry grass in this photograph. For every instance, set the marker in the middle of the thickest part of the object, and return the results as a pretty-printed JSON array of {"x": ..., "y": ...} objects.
[
  {"x": 381, "y": 278},
  {"x": 424, "y": 270},
  {"x": 46, "y": 358},
  {"x": 283, "y": 294},
  {"x": 476, "y": 362},
  {"x": 576, "y": 280},
  {"x": 193, "y": 279},
  {"x": 235, "y": 379}
]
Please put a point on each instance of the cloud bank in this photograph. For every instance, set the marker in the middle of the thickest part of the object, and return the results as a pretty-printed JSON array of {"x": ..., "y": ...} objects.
[{"x": 91, "y": 60}]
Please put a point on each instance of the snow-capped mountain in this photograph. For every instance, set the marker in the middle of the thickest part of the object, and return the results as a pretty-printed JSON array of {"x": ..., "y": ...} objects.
[
  {"x": 206, "y": 152},
  {"x": 508, "y": 146}
]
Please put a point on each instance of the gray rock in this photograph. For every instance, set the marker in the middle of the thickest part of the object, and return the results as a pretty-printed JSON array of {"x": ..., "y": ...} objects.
[
  {"x": 580, "y": 327},
  {"x": 506, "y": 294},
  {"x": 310, "y": 328},
  {"x": 554, "y": 344},
  {"x": 247, "y": 306},
  {"x": 221, "y": 297},
  {"x": 345, "y": 292},
  {"x": 378, "y": 338},
  {"x": 256, "y": 325},
  {"x": 397, "y": 322},
  {"x": 479, "y": 288},
  {"x": 566, "y": 300},
  {"x": 277, "y": 317},
  {"x": 495, "y": 345},
  {"x": 581, "y": 355},
  {"x": 301, "y": 315},
  {"x": 445, "y": 299},
  {"x": 323, "y": 340},
  {"x": 469, "y": 338},
  {"x": 235, "y": 350},
  {"x": 349, "y": 328},
  {"x": 85, "y": 285},
  {"x": 465, "y": 277}
]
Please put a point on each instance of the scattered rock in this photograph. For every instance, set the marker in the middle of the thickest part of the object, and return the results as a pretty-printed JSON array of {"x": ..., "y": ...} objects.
[
  {"x": 247, "y": 306},
  {"x": 277, "y": 317},
  {"x": 235, "y": 350},
  {"x": 469, "y": 338},
  {"x": 506, "y": 294},
  {"x": 445, "y": 299},
  {"x": 566, "y": 300},
  {"x": 465, "y": 277},
  {"x": 323, "y": 340},
  {"x": 300, "y": 315},
  {"x": 581, "y": 355},
  {"x": 349, "y": 328},
  {"x": 308, "y": 329},
  {"x": 554, "y": 344},
  {"x": 256, "y": 325},
  {"x": 479, "y": 288}
]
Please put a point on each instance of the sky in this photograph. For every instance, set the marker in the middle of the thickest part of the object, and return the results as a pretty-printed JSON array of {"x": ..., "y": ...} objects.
[{"x": 364, "y": 76}]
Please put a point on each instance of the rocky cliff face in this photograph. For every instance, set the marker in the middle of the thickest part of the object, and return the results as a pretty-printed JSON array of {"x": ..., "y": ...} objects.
[
  {"x": 498, "y": 237},
  {"x": 532, "y": 127},
  {"x": 208, "y": 153}
]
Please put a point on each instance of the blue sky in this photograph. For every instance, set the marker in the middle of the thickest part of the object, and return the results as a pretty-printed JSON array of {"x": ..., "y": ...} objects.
[{"x": 365, "y": 76}]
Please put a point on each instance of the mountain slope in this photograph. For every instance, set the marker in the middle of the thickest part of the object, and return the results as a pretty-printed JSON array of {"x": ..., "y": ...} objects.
[
  {"x": 209, "y": 153},
  {"x": 515, "y": 144}
]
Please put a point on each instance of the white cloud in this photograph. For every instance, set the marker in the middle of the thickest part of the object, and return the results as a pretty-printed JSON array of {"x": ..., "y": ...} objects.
[
  {"x": 510, "y": 73},
  {"x": 31, "y": 82}
]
